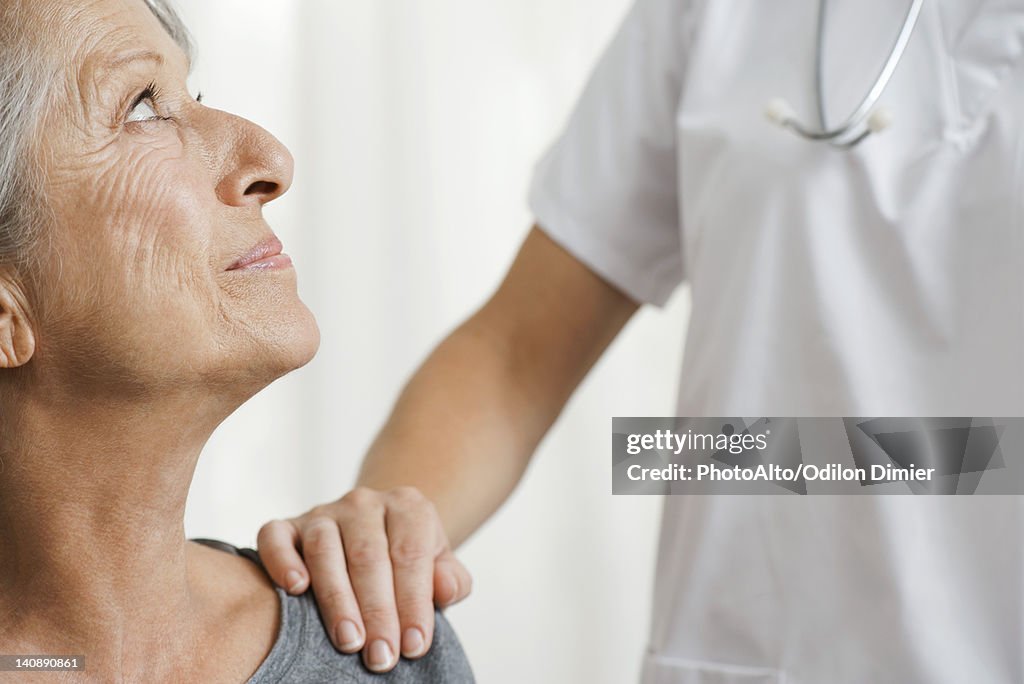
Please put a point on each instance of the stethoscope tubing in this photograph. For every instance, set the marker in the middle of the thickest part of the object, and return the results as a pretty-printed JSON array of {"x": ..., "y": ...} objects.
[{"x": 864, "y": 110}]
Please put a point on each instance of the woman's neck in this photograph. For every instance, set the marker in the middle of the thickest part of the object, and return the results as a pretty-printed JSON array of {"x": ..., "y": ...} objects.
[{"x": 93, "y": 556}]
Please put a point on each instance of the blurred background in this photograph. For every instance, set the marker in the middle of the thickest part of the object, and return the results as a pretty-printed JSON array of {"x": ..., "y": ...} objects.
[{"x": 415, "y": 127}]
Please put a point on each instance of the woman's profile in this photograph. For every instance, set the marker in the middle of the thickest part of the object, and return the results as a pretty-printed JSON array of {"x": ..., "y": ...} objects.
[{"x": 143, "y": 298}]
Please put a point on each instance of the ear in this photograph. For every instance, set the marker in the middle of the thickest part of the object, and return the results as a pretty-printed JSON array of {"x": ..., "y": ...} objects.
[{"x": 17, "y": 338}]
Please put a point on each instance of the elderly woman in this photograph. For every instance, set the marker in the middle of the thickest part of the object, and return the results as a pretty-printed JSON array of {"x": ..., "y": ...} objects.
[{"x": 142, "y": 299}]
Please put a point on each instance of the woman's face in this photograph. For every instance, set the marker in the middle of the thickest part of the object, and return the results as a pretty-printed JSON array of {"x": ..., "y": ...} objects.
[{"x": 159, "y": 269}]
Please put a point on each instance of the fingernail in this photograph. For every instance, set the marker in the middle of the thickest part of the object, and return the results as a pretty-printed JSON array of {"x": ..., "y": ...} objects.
[
  {"x": 294, "y": 581},
  {"x": 348, "y": 636},
  {"x": 412, "y": 643},
  {"x": 380, "y": 655}
]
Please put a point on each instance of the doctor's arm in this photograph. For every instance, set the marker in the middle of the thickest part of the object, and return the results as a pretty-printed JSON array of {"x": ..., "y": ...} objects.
[{"x": 454, "y": 447}]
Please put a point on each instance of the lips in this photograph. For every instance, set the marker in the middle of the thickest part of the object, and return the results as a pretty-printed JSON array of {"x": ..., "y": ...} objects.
[{"x": 264, "y": 256}]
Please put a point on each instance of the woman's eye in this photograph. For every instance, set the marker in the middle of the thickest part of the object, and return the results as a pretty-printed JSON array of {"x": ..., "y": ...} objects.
[{"x": 143, "y": 111}]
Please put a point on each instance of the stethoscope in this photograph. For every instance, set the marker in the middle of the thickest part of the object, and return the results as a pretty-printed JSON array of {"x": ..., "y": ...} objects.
[{"x": 865, "y": 119}]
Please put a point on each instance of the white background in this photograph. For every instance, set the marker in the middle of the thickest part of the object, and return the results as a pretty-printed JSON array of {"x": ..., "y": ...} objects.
[{"x": 415, "y": 126}]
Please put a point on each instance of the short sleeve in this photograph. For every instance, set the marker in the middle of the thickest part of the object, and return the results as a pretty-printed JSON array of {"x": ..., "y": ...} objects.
[{"x": 606, "y": 190}]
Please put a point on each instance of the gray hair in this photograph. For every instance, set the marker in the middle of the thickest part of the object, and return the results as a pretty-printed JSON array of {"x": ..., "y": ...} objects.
[{"x": 24, "y": 81}]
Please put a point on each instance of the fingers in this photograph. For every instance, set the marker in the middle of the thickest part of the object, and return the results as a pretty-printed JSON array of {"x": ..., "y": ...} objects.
[
  {"x": 369, "y": 568},
  {"x": 414, "y": 544},
  {"x": 325, "y": 556},
  {"x": 378, "y": 563},
  {"x": 452, "y": 582},
  {"x": 276, "y": 543}
]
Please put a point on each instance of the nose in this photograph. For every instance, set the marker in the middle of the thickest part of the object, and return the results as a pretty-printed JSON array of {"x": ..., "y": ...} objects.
[{"x": 257, "y": 167}]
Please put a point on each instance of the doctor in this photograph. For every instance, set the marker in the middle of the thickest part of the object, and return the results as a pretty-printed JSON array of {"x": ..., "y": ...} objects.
[{"x": 833, "y": 277}]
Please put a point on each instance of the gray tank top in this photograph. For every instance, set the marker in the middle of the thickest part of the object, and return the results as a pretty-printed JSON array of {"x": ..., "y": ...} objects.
[{"x": 304, "y": 653}]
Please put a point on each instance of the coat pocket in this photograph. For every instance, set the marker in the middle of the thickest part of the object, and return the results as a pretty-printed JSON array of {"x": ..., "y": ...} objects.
[{"x": 659, "y": 669}]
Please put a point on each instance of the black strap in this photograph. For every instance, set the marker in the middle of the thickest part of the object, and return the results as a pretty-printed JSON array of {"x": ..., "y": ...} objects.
[{"x": 251, "y": 554}]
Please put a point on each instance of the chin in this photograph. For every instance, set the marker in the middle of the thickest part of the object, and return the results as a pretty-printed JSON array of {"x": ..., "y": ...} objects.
[
  {"x": 307, "y": 341},
  {"x": 268, "y": 351},
  {"x": 298, "y": 342}
]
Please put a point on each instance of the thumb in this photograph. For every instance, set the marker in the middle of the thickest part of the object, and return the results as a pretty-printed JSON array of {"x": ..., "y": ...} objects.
[{"x": 452, "y": 582}]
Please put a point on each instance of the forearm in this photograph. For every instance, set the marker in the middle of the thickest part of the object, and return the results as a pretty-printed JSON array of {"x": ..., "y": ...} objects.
[
  {"x": 467, "y": 423},
  {"x": 463, "y": 430}
]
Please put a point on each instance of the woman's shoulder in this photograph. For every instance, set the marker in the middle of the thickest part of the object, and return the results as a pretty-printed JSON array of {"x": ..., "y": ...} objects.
[{"x": 303, "y": 652}]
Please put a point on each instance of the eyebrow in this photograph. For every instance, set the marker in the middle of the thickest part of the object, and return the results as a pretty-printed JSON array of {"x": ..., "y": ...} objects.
[{"x": 138, "y": 56}]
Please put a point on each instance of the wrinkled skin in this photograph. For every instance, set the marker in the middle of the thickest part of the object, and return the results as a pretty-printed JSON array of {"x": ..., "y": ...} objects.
[
  {"x": 124, "y": 342},
  {"x": 149, "y": 214}
]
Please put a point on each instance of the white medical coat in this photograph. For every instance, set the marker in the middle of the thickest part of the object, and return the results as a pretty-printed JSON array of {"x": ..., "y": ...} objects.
[{"x": 887, "y": 280}]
